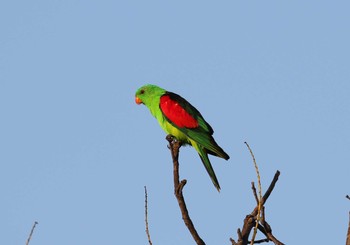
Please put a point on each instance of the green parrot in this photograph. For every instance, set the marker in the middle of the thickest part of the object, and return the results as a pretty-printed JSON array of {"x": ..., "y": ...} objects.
[{"x": 179, "y": 118}]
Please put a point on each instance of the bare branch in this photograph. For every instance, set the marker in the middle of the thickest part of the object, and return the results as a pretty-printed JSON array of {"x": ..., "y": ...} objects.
[
  {"x": 174, "y": 147},
  {"x": 268, "y": 230},
  {"x": 255, "y": 195},
  {"x": 250, "y": 220},
  {"x": 31, "y": 232},
  {"x": 146, "y": 218},
  {"x": 256, "y": 169},
  {"x": 233, "y": 242},
  {"x": 270, "y": 189},
  {"x": 348, "y": 235},
  {"x": 261, "y": 241}
]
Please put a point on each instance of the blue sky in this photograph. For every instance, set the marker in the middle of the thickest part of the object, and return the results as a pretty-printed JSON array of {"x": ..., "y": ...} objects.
[{"x": 76, "y": 151}]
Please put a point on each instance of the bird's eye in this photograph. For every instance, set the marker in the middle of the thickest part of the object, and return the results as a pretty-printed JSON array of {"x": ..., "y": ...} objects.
[{"x": 142, "y": 91}]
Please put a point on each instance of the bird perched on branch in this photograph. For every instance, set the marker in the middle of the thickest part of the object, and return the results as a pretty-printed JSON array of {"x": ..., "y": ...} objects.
[{"x": 179, "y": 118}]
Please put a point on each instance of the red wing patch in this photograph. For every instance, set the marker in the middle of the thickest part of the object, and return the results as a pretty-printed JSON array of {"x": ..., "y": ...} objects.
[{"x": 176, "y": 114}]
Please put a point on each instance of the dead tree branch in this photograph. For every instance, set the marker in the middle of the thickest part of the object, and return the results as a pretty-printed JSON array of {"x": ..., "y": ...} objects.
[
  {"x": 174, "y": 147},
  {"x": 348, "y": 235},
  {"x": 251, "y": 219},
  {"x": 258, "y": 199},
  {"x": 146, "y": 218},
  {"x": 255, "y": 219},
  {"x": 31, "y": 232}
]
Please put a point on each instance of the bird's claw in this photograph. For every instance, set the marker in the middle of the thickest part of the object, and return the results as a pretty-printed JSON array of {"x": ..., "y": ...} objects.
[
  {"x": 173, "y": 142},
  {"x": 171, "y": 139}
]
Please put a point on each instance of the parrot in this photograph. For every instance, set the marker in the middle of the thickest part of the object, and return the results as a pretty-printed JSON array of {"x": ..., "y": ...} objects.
[{"x": 179, "y": 118}]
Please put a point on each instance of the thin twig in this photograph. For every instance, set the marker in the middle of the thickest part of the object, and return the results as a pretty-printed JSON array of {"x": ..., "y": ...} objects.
[
  {"x": 348, "y": 235},
  {"x": 261, "y": 241},
  {"x": 270, "y": 189},
  {"x": 260, "y": 195},
  {"x": 31, "y": 232},
  {"x": 174, "y": 147},
  {"x": 146, "y": 218},
  {"x": 254, "y": 193}
]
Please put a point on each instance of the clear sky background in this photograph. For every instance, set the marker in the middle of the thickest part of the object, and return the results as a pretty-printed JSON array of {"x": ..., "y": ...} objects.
[{"x": 76, "y": 151}]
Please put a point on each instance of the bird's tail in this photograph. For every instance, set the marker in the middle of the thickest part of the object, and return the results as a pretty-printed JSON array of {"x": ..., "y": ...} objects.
[
  {"x": 215, "y": 150},
  {"x": 204, "y": 157}
]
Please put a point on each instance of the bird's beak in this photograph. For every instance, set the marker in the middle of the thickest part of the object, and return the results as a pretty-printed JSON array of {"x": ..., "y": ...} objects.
[{"x": 138, "y": 100}]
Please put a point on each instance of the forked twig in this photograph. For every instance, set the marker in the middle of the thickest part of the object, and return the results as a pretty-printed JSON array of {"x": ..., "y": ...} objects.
[
  {"x": 174, "y": 147},
  {"x": 257, "y": 217},
  {"x": 250, "y": 221}
]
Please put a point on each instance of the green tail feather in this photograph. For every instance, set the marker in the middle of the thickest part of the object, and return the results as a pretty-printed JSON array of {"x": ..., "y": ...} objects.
[{"x": 204, "y": 157}]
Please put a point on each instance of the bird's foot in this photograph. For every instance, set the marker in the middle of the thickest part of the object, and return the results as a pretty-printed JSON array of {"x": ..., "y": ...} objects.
[{"x": 172, "y": 140}]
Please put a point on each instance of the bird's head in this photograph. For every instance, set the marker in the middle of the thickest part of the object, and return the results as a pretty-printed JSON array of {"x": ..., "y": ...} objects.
[{"x": 147, "y": 94}]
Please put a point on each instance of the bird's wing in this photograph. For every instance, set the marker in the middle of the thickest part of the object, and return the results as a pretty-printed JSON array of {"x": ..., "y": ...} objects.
[
  {"x": 185, "y": 117},
  {"x": 182, "y": 114}
]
